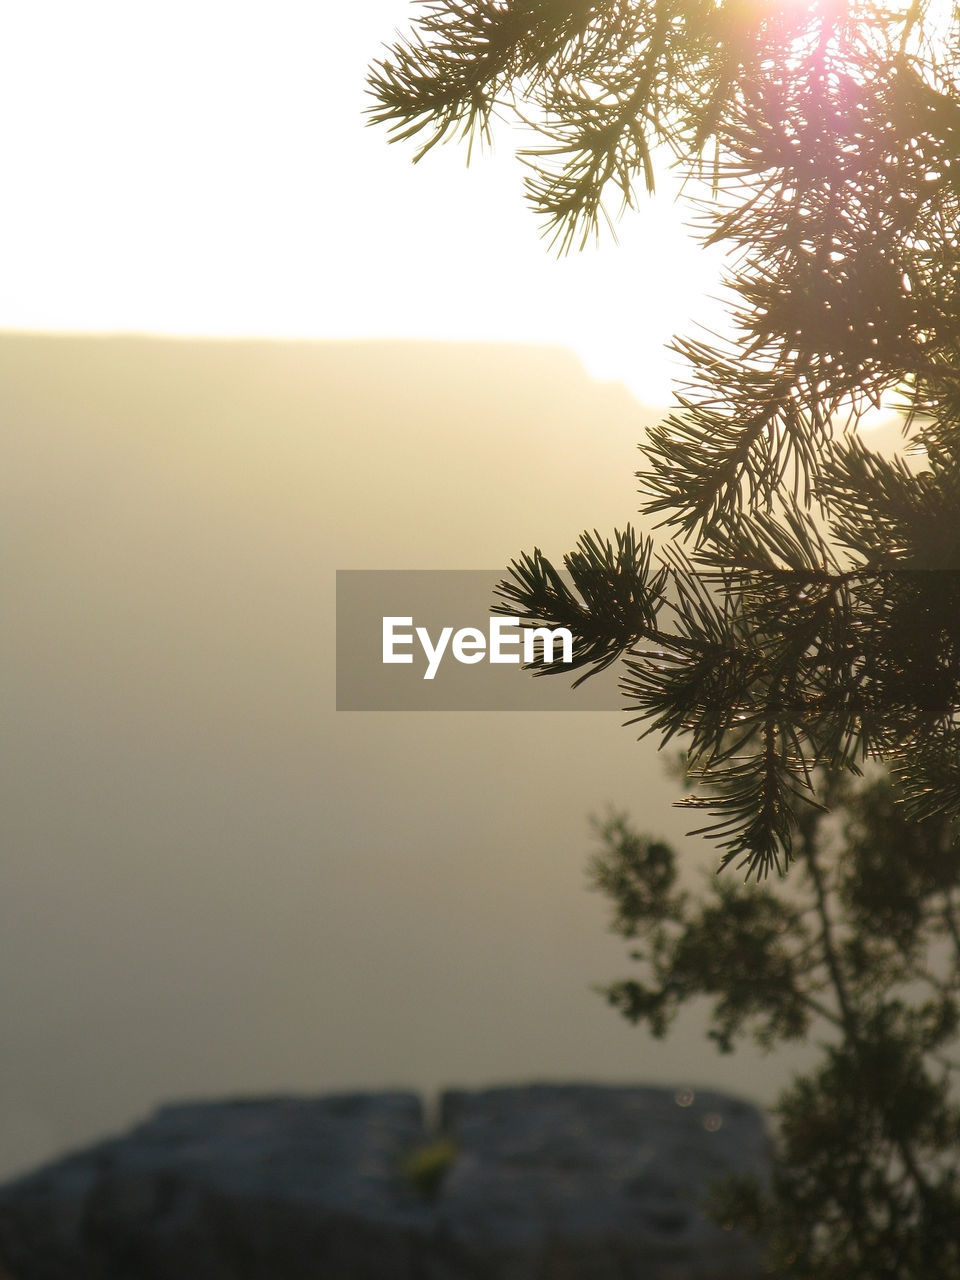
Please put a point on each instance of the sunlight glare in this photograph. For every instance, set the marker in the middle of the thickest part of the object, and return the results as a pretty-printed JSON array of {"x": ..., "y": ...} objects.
[{"x": 205, "y": 170}]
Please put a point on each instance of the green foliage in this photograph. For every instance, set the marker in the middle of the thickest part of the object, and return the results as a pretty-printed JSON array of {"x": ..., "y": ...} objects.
[
  {"x": 801, "y": 615},
  {"x": 806, "y": 614},
  {"x": 427, "y": 1166},
  {"x": 860, "y": 947}
]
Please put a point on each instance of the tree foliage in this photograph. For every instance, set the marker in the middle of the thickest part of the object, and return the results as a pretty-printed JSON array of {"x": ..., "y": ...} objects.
[
  {"x": 861, "y": 948},
  {"x": 803, "y": 608}
]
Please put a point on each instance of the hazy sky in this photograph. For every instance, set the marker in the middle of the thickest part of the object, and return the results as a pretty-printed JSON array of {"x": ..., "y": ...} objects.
[
  {"x": 202, "y": 166},
  {"x": 213, "y": 883}
]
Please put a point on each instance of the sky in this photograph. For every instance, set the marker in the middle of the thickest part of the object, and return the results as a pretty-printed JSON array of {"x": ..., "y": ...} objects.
[{"x": 204, "y": 168}]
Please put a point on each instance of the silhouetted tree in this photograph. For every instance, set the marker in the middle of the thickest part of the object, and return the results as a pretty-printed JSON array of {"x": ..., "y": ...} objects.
[
  {"x": 861, "y": 947},
  {"x": 804, "y": 608}
]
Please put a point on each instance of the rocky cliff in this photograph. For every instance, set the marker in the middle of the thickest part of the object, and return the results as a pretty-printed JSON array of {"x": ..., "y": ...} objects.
[{"x": 543, "y": 1182}]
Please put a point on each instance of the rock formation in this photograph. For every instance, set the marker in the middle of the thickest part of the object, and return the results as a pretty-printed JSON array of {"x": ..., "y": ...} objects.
[{"x": 543, "y": 1182}]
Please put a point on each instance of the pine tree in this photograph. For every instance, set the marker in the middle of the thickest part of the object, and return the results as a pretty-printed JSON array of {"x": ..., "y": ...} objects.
[
  {"x": 860, "y": 949},
  {"x": 802, "y": 612}
]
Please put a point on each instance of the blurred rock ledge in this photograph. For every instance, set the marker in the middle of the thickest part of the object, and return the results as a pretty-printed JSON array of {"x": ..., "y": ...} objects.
[{"x": 538, "y": 1182}]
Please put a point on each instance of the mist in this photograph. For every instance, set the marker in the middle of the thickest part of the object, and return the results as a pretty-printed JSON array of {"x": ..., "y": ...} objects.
[{"x": 213, "y": 883}]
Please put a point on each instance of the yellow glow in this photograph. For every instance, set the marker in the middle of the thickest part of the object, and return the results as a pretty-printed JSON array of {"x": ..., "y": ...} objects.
[
  {"x": 204, "y": 169},
  {"x": 879, "y": 418}
]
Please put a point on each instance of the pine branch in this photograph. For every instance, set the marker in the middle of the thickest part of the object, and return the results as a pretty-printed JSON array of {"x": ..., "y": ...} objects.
[{"x": 612, "y": 602}]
